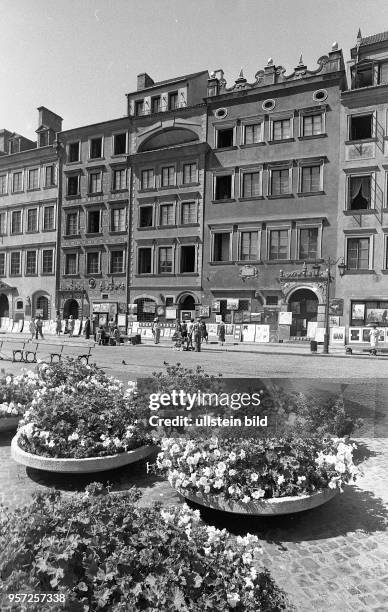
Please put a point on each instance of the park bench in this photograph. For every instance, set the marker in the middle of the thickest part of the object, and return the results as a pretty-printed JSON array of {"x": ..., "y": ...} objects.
[
  {"x": 80, "y": 352},
  {"x": 19, "y": 350},
  {"x": 355, "y": 350}
]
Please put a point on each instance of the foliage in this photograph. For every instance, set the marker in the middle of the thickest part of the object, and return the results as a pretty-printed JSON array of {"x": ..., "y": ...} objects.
[
  {"x": 107, "y": 554},
  {"x": 16, "y": 392},
  {"x": 251, "y": 469},
  {"x": 78, "y": 411}
]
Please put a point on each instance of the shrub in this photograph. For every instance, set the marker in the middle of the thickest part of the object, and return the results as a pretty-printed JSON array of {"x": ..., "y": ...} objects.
[
  {"x": 16, "y": 392},
  {"x": 104, "y": 553}
]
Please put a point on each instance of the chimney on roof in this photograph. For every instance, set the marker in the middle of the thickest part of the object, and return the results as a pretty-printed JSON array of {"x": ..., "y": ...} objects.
[{"x": 144, "y": 80}]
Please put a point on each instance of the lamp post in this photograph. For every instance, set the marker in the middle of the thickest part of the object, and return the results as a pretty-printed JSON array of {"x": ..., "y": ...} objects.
[{"x": 327, "y": 279}]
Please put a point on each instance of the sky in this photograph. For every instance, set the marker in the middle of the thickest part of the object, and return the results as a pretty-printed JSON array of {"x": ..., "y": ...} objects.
[{"x": 80, "y": 57}]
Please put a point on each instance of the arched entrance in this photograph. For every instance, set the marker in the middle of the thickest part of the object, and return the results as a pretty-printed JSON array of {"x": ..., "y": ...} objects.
[
  {"x": 146, "y": 309},
  {"x": 303, "y": 304},
  {"x": 70, "y": 307},
  {"x": 4, "y": 306},
  {"x": 187, "y": 306},
  {"x": 42, "y": 307}
]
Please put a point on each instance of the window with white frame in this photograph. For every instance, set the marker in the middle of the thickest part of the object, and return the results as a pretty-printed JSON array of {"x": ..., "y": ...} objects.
[
  {"x": 17, "y": 181},
  {"x": 187, "y": 259},
  {"x": 50, "y": 176},
  {"x": 252, "y": 133},
  {"x": 312, "y": 125},
  {"x": 310, "y": 178},
  {"x": 2, "y": 264},
  {"x": 72, "y": 223},
  {"x": 73, "y": 154},
  {"x": 251, "y": 184},
  {"x": 119, "y": 144},
  {"x": 16, "y": 222},
  {"x": 95, "y": 182},
  {"x": 188, "y": 213},
  {"x": 359, "y": 188},
  {"x": 32, "y": 220},
  {"x": 33, "y": 178},
  {"x": 221, "y": 246},
  {"x": 223, "y": 186},
  {"x": 278, "y": 244},
  {"x": 167, "y": 214},
  {"x": 148, "y": 179},
  {"x": 358, "y": 256},
  {"x": 279, "y": 183},
  {"x": 190, "y": 173},
  {"x": 95, "y": 148},
  {"x": 281, "y": 129},
  {"x": 165, "y": 260},
  {"x": 119, "y": 179},
  {"x": 155, "y": 104},
  {"x": 3, "y": 184},
  {"x": 118, "y": 219},
  {"x": 15, "y": 263},
  {"x": 71, "y": 263},
  {"x": 93, "y": 262},
  {"x": 47, "y": 261},
  {"x": 3, "y": 223},
  {"x": 31, "y": 267},
  {"x": 117, "y": 262},
  {"x": 49, "y": 218},
  {"x": 248, "y": 246},
  {"x": 308, "y": 243},
  {"x": 168, "y": 176}
]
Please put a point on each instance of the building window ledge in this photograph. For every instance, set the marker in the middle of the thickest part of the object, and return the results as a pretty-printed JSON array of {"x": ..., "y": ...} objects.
[
  {"x": 70, "y": 236},
  {"x": 352, "y": 272},
  {"x": 312, "y": 137},
  {"x": 76, "y": 275},
  {"x": 218, "y": 149},
  {"x": 93, "y": 274},
  {"x": 94, "y": 194},
  {"x": 187, "y": 274},
  {"x": 248, "y": 199},
  {"x": 188, "y": 225},
  {"x": 362, "y": 211},
  {"x": 47, "y": 273},
  {"x": 147, "y": 190},
  {"x": 94, "y": 159},
  {"x": 117, "y": 232},
  {"x": 167, "y": 226},
  {"x": 119, "y": 190},
  {"x": 307, "y": 194},
  {"x": 117, "y": 273},
  {"x": 280, "y": 196},
  {"x": 195, "y": 184},
  {"x": 223, "y": 201},
  {"x": 73, "y": 197},
  {"x": 252, "y": 145},
  {"x": 144, "y": 229},
  {"x": 360, "y": 141},
  {"x": 92, "y": 234},
  {"x": 280, "y": 141},
  {"x": 222, "y": 263},
  {"x": 33, "y": 189}
]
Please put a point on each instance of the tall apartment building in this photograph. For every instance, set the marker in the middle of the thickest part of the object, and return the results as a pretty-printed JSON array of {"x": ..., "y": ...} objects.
[
  {"x": 28, "y": 220},
  {"x": 271, "y": 191},
  {"x": 94, "y": 220},
  {"x": 168, "y": 164},
  {"x": 363, "y": 186}
]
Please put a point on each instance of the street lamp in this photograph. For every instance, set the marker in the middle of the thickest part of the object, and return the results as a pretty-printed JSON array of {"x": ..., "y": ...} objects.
[{"x": 329, "y": 262}]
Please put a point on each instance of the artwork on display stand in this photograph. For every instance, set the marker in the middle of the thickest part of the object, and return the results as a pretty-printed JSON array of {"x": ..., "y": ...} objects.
[
  {"x": 285, "y": 318},
  {"x": 358, "y": 311},
  {"x": 336, "y": 307},
  {"x": 248, "y": 332},
  {"x": 256, "y": 317},
  {"x": 366, "y": 334},
  {"x": 77, "y": 327},
  {"x": 376, "y": 315},
  {"x": 212, "y": 331},
  {"x": 320, "y": 334},
  {"x": 334, "y": 321},
  {"x": 311, "y": 329},
  {"x": 354, "y": 334},
  {"x": 337, "y": 335},
  {"x": 262, "y": 333},
  {"x": 171, "y": 313},
  {"x": 121, "y": 320},
  {"x": 284, "y": 332},
  {"x": 232, "y": 304},
  {"x": 237, "y": 333},
  {"x": 218, "y": 318}
]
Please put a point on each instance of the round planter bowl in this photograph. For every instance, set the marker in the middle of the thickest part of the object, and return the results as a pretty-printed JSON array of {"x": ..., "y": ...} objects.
[
  {"x": 78, "y": 466},
  {"x": 263, "y": 507},
  {"x": 9, "y": 423}
]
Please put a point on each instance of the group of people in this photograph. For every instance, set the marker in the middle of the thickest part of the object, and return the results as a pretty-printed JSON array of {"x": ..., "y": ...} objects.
[
  {"x": 107, "y": 335},
  {"x": 188, "y": 335},
  {"x": 36, "y": 328}
]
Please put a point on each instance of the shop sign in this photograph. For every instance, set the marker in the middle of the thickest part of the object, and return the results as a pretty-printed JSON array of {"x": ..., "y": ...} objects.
[
  {"x": 336, "y": 307},
  {"x": 248, "y": 272},
  {"x": 232, "y": 304}
]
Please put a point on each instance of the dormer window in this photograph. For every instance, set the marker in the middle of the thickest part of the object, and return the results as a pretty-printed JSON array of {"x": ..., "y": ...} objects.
[
  {"x": 155, "y": 104},
  {"x": 362, "y": 76},
  {"x": 44, "y": 138},
  {"x": 139, "y": 108},
  {"x": 172, "y": 100}
]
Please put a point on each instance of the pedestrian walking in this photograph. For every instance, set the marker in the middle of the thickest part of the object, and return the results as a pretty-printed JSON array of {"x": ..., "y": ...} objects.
[
  {"x": 94, "y": 326},
  {"x": 184, "y": 335},
  {"x": 177, "y": 337},
  {"x": 221, "y": 333},
  {"x": 204, "y": 334},
  {"x": 190, "y": 330},
  {"x": 71, "y": 325},
  {"x": 87, "y": 328},
  {"x": 39, "y": 327},
  {"x": 197, "y": 335},
  {"x": 58, "y": 325},
  {"x": 156, "y": 327},
  {"x": 374, "y": 340},
  {"x": 32, "y": 329}
]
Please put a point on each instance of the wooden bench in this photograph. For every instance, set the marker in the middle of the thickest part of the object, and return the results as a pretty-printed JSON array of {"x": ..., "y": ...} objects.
[
  {"x": 82, "y": 353},
  {"x": 352, "y": 350}
]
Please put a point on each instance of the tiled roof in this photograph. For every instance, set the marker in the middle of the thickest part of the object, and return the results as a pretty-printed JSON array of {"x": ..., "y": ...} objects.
[
  {"x": 376, "y": 38},
  {"x": 180, "y": 78}
]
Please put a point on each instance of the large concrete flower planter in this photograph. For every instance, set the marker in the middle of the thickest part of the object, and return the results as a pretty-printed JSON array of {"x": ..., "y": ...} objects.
[
  {"x": 78, "y": 466},
  {"x": 263, "y": 507},
  {"x": 9, "y": 423}
]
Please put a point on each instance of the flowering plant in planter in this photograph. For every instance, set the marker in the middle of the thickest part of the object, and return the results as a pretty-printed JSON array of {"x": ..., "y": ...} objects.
[
  {"x": 101, "y": 552},
  {"x": 252, "y": 469},
  {"x": 79, "y": 412},
  {"x": 16, "y": 392}
]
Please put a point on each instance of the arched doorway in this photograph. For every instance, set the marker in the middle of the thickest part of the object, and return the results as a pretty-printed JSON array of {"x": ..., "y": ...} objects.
[
  {"x": 4, "y": 306},
  {"x": 42, "y": 307},
  {"x": 70, "y": 308},
  {"x": 146, "y": 309},
  {"x": 187, "y": 307},
  {"x": 303, "y": 304}
]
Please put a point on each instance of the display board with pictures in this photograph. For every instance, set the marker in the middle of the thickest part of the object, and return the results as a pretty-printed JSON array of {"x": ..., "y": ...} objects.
[
  {"x": 248, "y": 332},
  {"x": 262, "y": 333},
  {"x": 312, "y": 329},
  {"x": 237, "y": 333},
  {"x": 355, "y": 334},
  {"x": 212, "y": 330},
  {"x": 284, "y": 332},
  {"x": 285, "y": 318},
  {"x": 337, "y": 335},
  {"x": 77, "y": 327}
]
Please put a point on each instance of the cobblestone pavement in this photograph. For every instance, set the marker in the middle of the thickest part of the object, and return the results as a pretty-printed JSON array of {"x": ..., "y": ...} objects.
[{"x": 331, "y": 558}]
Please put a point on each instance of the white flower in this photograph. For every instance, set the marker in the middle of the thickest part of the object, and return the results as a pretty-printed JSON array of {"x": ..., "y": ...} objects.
[
  {"x": 242, "y": 454},
  {"x": 246, "y": 558},
  {"x": 280, "y": 479},
  {"x": 246, "y": 499},
  {"x": 258, "y": 494},
  {"x": 73, "y": 436},
  {"x": 207, "y": 551},
  {"x": 254, "y": 477},
  {"x": 51, "y": 443},
  {"x": 232, "y": 472},
  {"x": 232, "y": 456},
  {"x": 232, "y": 599},
  {"x": 218, "y": 484}
]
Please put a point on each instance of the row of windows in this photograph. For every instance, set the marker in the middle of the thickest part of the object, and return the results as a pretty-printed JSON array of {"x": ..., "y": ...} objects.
[
  {"x": 278, "y": 244},
  {"x": 168, "y": 176},
  {"x": 93, "y": 262},
  {"x": 279, "y": 129},
  {"x": 28, "y": 220},
  {"x": 32, "y": 261},
  {"x": 167, "y": 260},
  {"x": 168, "y": 214},
  {"x": 156, "y": 104},
  {"x": 96, "y": 147},
  {"x": 359, "y": 253},
  {"x": 279, "y": 182},
  {"x": 30, "y": 179},
  {"x": 94, "y": 221},
  {"x": 94, "y": 182}
]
